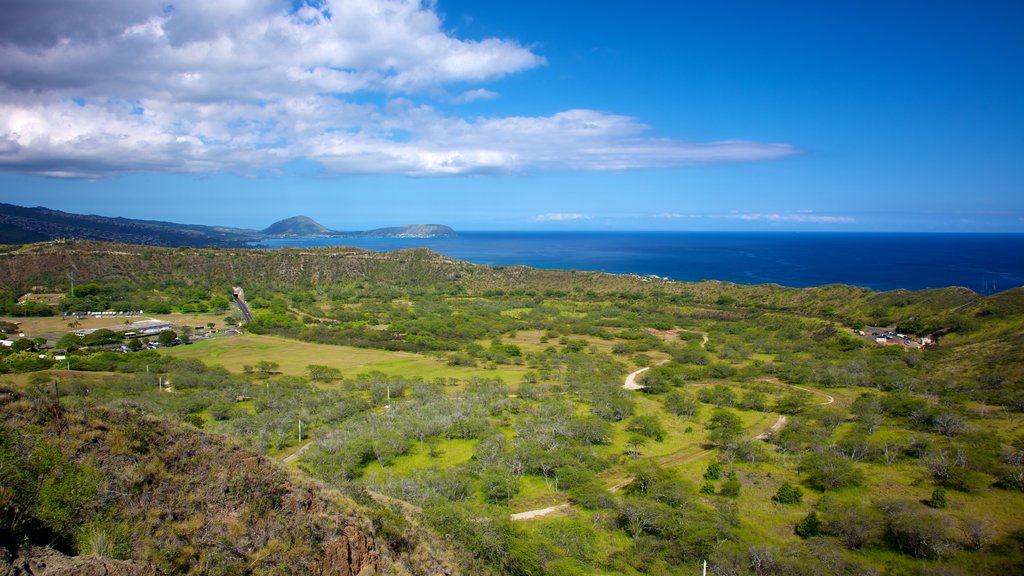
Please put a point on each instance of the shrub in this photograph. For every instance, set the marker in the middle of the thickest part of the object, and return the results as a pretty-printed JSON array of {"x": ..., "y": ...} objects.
[
  {"x": 919, "y": 532},
  {"x": 855, "y": 523},
  {"x": 938, "y": 499},
  {"x": 809, "y": 527},
  {"x": 193, "y": 419},
  {"x": 732, "y": 486},
  {"x": 826, "y": 471},
  {"x": 788, "y": 494},
  {"x": 713, "y": 471}
]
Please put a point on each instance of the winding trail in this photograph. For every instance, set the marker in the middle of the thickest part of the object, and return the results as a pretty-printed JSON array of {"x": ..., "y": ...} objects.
[
  {"x": 631, "y": 384},
  {"x": 673, "y": 459},
  {"x": 830, "y": 400}
]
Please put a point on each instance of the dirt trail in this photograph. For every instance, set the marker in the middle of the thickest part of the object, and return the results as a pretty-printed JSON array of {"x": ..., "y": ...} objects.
[
  {"x": 830, "y": 400},
  {"x": 774, "y": 429},
  {"x": 540, "y": 513},
  {"x": 672, "y": 459},
  {"x": 294, "y": 455}
]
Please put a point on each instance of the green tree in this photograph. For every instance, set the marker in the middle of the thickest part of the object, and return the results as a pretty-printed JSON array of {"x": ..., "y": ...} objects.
[
  {"x": 69, "y": 342},
  {"x": 634, "y": 444},
  {"x": 319, "y": 373},
  {"x": 267, "y": 367},
  {"x": 726, "y": 427},
  {"x": 167, "y": 337},
  {"x": 681, "y": 404},
  {"x": 647, "y": 425},
  {"x": 498, "y": 485}
]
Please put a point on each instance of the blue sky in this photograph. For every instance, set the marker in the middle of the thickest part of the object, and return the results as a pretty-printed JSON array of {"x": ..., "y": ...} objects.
[{"x": 726, "y": 115}]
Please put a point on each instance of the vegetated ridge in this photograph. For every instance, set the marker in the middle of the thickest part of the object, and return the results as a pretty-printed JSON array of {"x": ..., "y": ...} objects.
[
  {"x": 96, "y": 480},
  {"x": 20, "y": 225}
]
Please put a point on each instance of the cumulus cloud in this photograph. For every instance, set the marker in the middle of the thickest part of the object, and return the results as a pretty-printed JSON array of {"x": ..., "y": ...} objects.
[
  {"x": 90, "y": 88},
  {"x": 560, "y": 217}
]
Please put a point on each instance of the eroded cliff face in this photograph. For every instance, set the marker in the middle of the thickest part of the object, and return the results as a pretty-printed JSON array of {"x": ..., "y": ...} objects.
[
  {"x": 349, "y": 554},
  {"x": 181, "y": 500}
]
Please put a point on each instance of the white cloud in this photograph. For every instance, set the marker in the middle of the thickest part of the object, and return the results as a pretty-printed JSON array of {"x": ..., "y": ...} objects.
[
  {"x": 560, "y": 217},
  {"x": 797, "y": 216},
  {"x": 801, "y": 216},
  {"x": 90, "y": 88},
  {"x": 474, "y": 95}
]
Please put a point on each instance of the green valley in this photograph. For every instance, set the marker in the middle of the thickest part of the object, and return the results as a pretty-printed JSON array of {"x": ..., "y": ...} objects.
[{"x": 472, "y": 420}]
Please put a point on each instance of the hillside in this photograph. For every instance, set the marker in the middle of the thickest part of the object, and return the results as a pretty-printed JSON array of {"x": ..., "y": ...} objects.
[
  {"x": 121, "y": 484},
  {"x": 19, "y": 225}
]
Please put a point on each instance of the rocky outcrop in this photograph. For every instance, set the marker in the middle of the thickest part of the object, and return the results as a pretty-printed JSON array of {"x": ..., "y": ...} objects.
[
  {"x": 349, "y": 554},
  {"x": 35, "y": 561}
]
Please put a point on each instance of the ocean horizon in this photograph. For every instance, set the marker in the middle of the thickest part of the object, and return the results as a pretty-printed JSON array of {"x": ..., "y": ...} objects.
[{"x": 984, "y": 262}]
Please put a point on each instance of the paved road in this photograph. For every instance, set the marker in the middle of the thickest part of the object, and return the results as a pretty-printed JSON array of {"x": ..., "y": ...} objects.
[{"x": 242, "y": 306}]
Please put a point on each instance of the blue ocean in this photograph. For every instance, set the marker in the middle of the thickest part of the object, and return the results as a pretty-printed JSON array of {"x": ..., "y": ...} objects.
[{"x": 985, "y": 263}]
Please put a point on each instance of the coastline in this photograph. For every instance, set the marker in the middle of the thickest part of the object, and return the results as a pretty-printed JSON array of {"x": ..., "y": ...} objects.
[{"x": 984, "y": 263}]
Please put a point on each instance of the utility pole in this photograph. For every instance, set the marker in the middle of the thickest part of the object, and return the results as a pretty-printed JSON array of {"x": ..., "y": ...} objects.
[{"x": 300, "y": 431}]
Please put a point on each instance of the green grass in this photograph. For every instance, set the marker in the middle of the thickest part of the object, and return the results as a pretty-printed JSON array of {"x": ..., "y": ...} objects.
[
  {"x": 535, "y": 493},
  {"x": 293, "y": 356},
  {"x": 451, "y": 453}
]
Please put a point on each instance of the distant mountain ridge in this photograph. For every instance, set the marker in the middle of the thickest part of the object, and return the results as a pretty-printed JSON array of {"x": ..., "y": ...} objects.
[
  {"x": 306, "y": 227},
  {"x": 22, "y": 225}
]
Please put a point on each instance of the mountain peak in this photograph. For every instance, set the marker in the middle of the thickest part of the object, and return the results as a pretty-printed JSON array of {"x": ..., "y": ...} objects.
[{"x": 297, "y": 226}]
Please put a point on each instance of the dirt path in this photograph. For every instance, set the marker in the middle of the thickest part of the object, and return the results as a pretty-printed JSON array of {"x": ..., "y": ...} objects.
[
  {"x": 295, "y": 455},
  {"x": 531, "y": 514},
  {"x": 830, "y": 400},
  {"x": 671, "y": 459},
  {"x": 774, "y": 429},
  {"x": 631, "y": 384}
]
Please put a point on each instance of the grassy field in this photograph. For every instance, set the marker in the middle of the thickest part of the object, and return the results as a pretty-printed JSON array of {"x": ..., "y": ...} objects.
[{"x": 293, "y": 356}]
